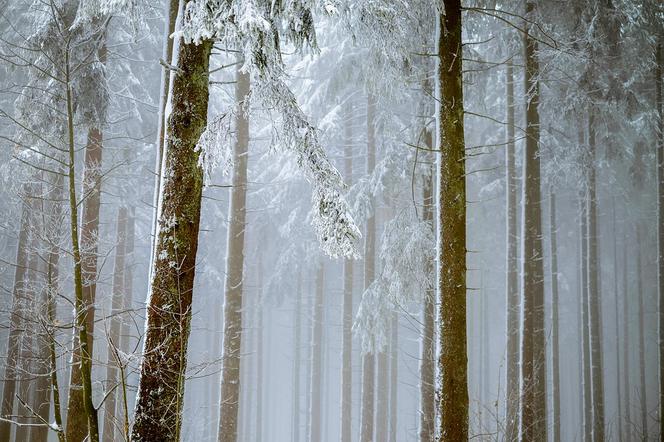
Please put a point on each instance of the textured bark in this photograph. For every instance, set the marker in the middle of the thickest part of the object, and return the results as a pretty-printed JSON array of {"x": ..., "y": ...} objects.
[
  {"x": 453, "y": 362},
  {"x": 89, "y": 230},
  {"x": 585, "y": 327},
  {"x": 555, "y": 333},
  {"x": 368, "y": 359},
  {"x": 161, "y": 384},
  {"x": 315, "y": 375},
  {"x": 113, "y": 337},
  {"x": 394, "y": 376},
  {"x": 297, "y": 359},
  {"x": 659, "y": 72},
  {"x": 533, "y": 357},
  {"x": 347, "y": 304},
  {"x": 512, "y": 282},
  {"x": 233, "y": 286},
  {"x": 15, "y": 324},
  {"x": 594, "y": 296},
  {"x": 643, "y": 394}
]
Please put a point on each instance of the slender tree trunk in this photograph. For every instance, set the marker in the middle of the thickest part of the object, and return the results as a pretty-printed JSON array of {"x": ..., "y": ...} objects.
[
  {"x": 512, "y": 283},
  {"x": 16, "y": 324},
  {"x": 660, "y": 226},
  {"x": 626, "y": 346},
  {"x": 230, "y": 374},
  {"x": 555, "y": 333},
  {"x": 170, "y": 14},
  {"x": 347, "y": 307},
  {"x": 316, "y": 356},
  {"x": 533, "y": 356},
  {"x": 297, "y": 359},
  {"x": 125, "y": 330},
  {"x": 158, "y": 414},
  {"x": 585, "y": 328},
  {"x": 453, "y": 362},
  {"x": 642, "y": 342},
  {"x": 394, "y": 376},
  {"x": 259, "y": 354},
  {"x": 617, "y": 323},
  {"x": 368, "y": 359},
  {"x": 382, "y": 394},
  {"x": 113, "y": 338},
  {"x": 594, "y": 299},
  {"x": 428, "y": 343}
]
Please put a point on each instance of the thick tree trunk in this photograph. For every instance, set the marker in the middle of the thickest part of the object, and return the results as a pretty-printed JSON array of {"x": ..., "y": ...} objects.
[
  {"x": 533, "y": 357},
  {"x": 368, "y": 359},
  {"x": 158, "y": 414},
  {"x": 512, "y": 282},
  {"x": 555, "y": 333},
  {"x": 15, "y": 324},
  {"x": 233, "y": 286},
  {"x": 594, "y": 300},
  {"x": 347, "y": 307},
  {"x": 453, "y": 362},
  {"x": 642, "y": 341},
  {"x": 297, "y": 359},
  {"x": 428, "y": 343},
  {"x": 585, "y": 328},
  {"x": 113, "y": 337},
  {"x": 660, "y": 225},
  {"x": 315, "y": 375}
]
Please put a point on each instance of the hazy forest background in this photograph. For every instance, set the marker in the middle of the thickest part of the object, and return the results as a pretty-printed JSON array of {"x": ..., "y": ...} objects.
[{"x": 318, "y": 220}]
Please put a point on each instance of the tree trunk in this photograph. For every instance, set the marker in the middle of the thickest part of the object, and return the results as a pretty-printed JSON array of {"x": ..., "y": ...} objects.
[
  {"x": 555, "y": 333},
  {"x": 259, "y": 354},
  {"x": 533, "y": 357},
  {"x": 660, "y": 226},
  {"x": 113, "y": 338},
  {"x": 394, "y": 376},
  {"x": 368, "y": 359},
  {"x": 230, "y": 373},
  {"x": 616, "y": 296},
  {"x": 585, "y": 328},
  {"x": 16, "y": 323},
  {"x": 382, "y": 393},
  {"x": 158, "y": 414},
  {"x": 594, "y": 300},
  {"x": 453, "y": 362},
  {"x": 316, "y": 356},
  {"x": 428, "y": 343},
  {"x": 297, "y": 359},
  {"x": 347, "y": 307},
  {"x": 642, "y": 342},
  {"x": 512, "y": 283},
  {"x": 626, "y": 346},
  {"x": 125, "y": 330}
]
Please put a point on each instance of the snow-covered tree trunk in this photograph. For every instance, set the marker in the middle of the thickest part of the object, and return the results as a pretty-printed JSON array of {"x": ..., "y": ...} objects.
[
  {"x": 428, "y": 343},
  {"x": 113, "y": 333},
  {"x": 233, "y": 285},
  {"x": 368, "y": 359},
  {"x": 453, "y": 361},
  {"x": 89, "y": 231},
  {"x": 512, "y": 282},
  {"x": 347, "y": 304},
  {"x": 315, "y": 376},
  {"x": 16, "y": 323},
  {"x": 533, "y": 356},
  {"x": 297, "y": 359},
  {"x": 643, "y": 394},
  {"x": 555, "y": 333},
  {"x": 585, "y": 328},
  {"x": 394, "y": 376},
  {"x": 161, "y": 384},
  {"x": 594, "y": 300}
]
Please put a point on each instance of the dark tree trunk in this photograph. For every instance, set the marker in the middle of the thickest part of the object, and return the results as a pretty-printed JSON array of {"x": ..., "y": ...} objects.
[{"x": 453, "y": 362}]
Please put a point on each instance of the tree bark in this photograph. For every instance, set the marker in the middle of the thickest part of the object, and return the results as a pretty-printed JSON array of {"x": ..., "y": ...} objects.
[
  {"x": 382, "y": 394},
  {"x": 512, "y": 283},
  {"x": 453, "y": 362},
  {"x": 230, "y": 374},
  {"x": 585, "y": 327},
  {"x": 297, "y": 359},
  {"x": 16, "y": 323},
  {"x": 642, "y": 342},
  {"x": 113, "y": 338},
  {"x": 555, "y": 333},
  {"x": 315, "y": 377},
  {"x": 594, "y": 296},
  {"x": 394, "y": 376},
  {"x": 533, "y": 357},
  {"x": 368, "y": 359},
  {"x": 347, "y": 305},
  {"x": 161, "y": 385},
  {"x": 616, "y": 297},
  {"x": 660, "y": 225}
]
